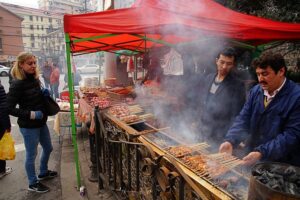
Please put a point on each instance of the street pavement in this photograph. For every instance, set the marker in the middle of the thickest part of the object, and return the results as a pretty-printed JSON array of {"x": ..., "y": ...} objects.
[{"x": 64, "y": 187}]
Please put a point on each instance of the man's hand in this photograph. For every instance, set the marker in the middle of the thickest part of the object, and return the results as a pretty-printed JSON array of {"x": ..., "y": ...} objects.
[
  {"x": 252, "y": 158},
  {"x": 226, "y": 147}
]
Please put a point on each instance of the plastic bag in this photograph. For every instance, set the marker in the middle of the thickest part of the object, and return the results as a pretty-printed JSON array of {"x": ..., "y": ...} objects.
[{"x": 7, "y": 147}]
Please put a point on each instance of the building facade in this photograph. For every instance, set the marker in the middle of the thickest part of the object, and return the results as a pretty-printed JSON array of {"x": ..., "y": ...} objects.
[
  {"x": 36, "y": 26},
  {"x": 69, "y": 6},
  {"x": 123, "y": 3},
  {"x": 11, "y": 43}
]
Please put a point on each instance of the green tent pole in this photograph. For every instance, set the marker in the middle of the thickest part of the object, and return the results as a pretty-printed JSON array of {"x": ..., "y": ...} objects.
[{"x": 71, "y": 93}]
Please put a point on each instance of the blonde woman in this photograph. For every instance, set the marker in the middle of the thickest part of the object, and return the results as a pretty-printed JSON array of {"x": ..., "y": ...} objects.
[{"x": 25, "y": 91}]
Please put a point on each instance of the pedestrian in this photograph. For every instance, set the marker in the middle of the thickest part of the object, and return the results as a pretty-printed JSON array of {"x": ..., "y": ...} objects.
[
  {"x": 4, "y": 127},
  {"x": 76, "y": 79},
  {"x": 25, "y": 90},
  {"x": 10, "y": 78},
  {"x": 221, "y": 98},
  {"x": 54, "y": 81},
  {"x": 46, "y": 73},
  {"x": 270, "y": 119}
]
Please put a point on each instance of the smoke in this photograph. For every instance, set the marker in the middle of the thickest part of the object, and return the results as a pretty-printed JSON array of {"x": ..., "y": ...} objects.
[{"x": 176, "y": 102}]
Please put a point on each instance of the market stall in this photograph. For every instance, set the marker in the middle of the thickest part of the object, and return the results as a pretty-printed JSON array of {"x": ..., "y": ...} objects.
[{"x": 134, "y": 163}]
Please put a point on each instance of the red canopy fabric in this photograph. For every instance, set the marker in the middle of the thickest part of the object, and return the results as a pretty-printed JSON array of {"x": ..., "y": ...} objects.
[{"x": 153, "y": 23}]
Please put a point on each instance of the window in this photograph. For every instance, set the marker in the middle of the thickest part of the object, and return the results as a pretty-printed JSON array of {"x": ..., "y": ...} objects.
[
  {"x": 30, "y": 18},
  {"x": 38, "y": 27},
  {"x": 42, "y": 27},
  {"x": 50, "y": 20},
  {"x": 31, "y": 27},
  {"x": 31, "y": 36},
  {"x": 1, "y": 44},
  {"x": 37, "y": 18},
  {"x": 32, "y": 45},
  {"x": 42, "y": 18}
]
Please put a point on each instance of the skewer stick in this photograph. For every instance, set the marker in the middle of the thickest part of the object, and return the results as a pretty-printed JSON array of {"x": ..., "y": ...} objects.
[
  {"x": 232, "y": 161},
  {"x": 200, "y": 144},
  {"x": 136, "y": 112},
  {"x": 219, "y": 155},
  {"x": 233, "y": 165},
  {"x": 134, "y": 106},
  {"x": 149, "y": 115},
  {"x": 162, "y": 129},
  {"x": 229, "y": 164},
  {"x": 228, "y": 160},
  {"x": 147, "y": 131},
  {"x": 198, "y": 148}
]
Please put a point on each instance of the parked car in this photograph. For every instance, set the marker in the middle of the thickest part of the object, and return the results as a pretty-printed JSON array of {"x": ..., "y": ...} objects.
[
  {"x": 4, "y": 70},
  {"x": 88, "y": 68}
]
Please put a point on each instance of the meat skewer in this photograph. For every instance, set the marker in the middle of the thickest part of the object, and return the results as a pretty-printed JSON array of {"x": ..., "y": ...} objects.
[
  {"x": 145, "y": 116},
  {"x": 151, "y": 130}
]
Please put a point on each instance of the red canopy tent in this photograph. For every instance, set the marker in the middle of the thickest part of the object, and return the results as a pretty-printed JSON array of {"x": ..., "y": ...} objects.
[{"x": 151, "y": 23}]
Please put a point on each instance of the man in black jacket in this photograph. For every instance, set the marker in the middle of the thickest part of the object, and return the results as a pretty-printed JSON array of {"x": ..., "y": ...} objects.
[
  {"x": 4, "y": 126},
  {"x": 222, "y": 99}
]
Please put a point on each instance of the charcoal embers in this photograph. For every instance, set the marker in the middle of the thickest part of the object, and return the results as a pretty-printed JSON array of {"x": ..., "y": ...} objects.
[{"x": 276, "y": 178}]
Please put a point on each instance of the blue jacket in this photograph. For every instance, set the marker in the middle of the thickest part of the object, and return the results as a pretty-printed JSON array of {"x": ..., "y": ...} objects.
[{"x": 275, "y": 130}]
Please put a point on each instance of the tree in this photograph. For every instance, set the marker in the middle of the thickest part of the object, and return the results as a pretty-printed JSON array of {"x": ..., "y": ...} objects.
[{"x": 280, "y": 10}]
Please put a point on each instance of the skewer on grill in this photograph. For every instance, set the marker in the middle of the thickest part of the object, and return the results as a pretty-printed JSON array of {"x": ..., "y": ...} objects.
[
  {"x": 134, "y": 106},
  {"x": 145, "y": 116},
  {"x": 152, "y": 130},
  {"x": 144, "y": 132},
  {"x": 228, "y": 160},
  {"x": 204, "y": 144},
  {"x": 200, "y": 145},
  {"x": 162, "y": 129},
  {"x": 135, "y": 111},
  {"x": 233, "y": 164},
  {"x": 218, "y": 155}
]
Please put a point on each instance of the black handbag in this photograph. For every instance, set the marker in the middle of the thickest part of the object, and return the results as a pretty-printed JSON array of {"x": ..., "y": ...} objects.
[{"x": 51, "y": 107}]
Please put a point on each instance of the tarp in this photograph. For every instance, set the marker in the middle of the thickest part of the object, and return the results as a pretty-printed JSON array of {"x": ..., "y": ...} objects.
[{"x": 150, "y": 23}]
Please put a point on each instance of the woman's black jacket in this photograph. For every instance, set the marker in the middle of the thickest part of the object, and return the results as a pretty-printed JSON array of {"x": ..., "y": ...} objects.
[{"x": 27, "y": 94}]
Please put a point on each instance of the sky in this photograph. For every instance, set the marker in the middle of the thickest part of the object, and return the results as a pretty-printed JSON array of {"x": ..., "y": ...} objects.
[{"x": 27, "y": 3}]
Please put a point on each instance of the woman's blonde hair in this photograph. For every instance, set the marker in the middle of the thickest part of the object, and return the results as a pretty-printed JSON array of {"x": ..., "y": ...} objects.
[{"x": 17, "y": 72}]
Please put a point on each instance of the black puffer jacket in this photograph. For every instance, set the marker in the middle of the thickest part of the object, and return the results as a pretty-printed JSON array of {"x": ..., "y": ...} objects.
[
  {"x": 4, "y": 118},
  {"x": 27, "y": 93},
  {"x": 220, "y": 109}
]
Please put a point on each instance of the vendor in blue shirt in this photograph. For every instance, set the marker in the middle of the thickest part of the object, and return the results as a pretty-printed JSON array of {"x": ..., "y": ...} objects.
[{"x": 270, "y": 118}]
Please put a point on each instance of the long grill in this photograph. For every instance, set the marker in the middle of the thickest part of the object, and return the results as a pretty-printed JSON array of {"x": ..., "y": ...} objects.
[
  {"x": 218, "y": 169},
  {"x": 126, "y": 166}
]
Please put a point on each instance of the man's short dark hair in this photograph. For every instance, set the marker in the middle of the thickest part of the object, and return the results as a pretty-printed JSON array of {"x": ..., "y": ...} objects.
[
  {"x": 228, "y": 52},
  {"x": 274, "y": 60}
]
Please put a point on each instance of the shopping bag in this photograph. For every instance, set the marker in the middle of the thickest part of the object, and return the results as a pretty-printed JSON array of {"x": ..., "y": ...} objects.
[{"x": 7, "y": 147}]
